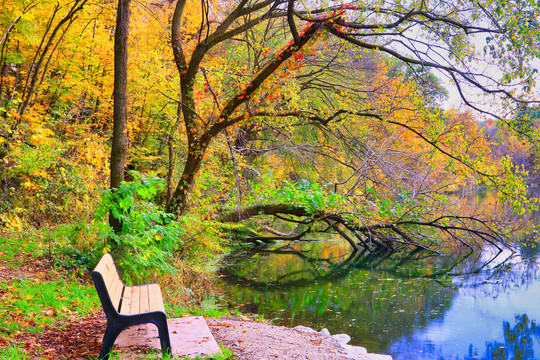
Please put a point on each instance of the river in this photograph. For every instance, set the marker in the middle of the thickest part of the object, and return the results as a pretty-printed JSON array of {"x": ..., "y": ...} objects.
[{"x": 482, "y": 305}]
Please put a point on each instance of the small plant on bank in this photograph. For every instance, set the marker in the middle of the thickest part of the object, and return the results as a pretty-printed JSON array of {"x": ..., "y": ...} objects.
[{"x": 149, "y": 235}]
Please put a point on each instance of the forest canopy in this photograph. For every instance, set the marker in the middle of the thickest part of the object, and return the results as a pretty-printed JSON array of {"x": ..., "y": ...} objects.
[{"x": 290, "y": 117}]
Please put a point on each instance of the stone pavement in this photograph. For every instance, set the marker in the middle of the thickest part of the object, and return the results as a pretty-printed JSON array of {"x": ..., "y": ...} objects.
[{"x": 190, "y": 336}]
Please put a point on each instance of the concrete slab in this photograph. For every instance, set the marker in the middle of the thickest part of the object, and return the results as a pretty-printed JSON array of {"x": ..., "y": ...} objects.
[{"x": 190, "y": 336}]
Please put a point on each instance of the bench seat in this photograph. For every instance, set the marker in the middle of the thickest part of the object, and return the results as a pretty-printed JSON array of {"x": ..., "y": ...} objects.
[{"x": 141, "y": 299}]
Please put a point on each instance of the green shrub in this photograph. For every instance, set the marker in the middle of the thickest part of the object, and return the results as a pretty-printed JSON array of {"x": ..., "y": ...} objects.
[{"x": 149, "y": 235}]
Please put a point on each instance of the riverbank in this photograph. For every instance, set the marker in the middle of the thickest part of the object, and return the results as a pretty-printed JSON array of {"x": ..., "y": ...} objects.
[{"x": 251, "y": 340}]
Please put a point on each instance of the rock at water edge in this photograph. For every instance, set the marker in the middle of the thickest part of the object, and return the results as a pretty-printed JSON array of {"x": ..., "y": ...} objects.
[{"x": 342, "y": 338}]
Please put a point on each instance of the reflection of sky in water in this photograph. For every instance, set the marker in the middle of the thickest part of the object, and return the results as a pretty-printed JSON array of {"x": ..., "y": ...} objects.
[
  {"x": 396, "y": 307},
  {"x": 483, "y": 303}
]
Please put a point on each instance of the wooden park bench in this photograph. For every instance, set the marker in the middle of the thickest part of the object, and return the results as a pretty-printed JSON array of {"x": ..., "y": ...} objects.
[{"x": 128, "y": 305}]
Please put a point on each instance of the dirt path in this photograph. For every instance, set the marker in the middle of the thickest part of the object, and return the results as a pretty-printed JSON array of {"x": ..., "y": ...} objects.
[
  {"x": 255, "y": 341},
  {"x": 250, "y": 340}
]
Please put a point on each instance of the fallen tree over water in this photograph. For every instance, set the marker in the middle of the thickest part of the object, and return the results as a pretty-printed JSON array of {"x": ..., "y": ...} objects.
[{"x": 398, "y": 235}]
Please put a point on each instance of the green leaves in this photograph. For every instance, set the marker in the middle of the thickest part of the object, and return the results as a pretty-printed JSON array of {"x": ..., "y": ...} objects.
[
  {"x": 311, "y": 196},
  {"x": 149, "y": 235}
]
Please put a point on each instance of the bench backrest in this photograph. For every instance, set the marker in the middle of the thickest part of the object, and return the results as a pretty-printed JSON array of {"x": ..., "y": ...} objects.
[{"x": 108, "y": 285}]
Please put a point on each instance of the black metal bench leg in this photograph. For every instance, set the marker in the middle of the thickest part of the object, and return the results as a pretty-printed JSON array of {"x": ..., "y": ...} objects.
[
  {"x": 164, "y": 338},
  {"x": 109, "y": 338}
]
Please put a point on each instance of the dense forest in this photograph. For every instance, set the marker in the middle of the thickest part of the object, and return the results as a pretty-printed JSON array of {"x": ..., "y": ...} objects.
[{"x": 190, "y": 125}]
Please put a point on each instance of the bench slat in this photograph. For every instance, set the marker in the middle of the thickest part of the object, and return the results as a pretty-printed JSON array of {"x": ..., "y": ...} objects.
[
  {"x": 136, "y": 294},
  {"x": 116, "y": 293},
  {"x": 155, "y": 300},
  {"x": 127, "y": 299},
  {"x": 111, "y": 278},
  {"x": 144, "y": 305},
  {"x": 102, "y": 266},
  {"x": 107, "y": 269}
]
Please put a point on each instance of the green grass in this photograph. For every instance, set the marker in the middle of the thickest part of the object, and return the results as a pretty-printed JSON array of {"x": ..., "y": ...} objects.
[
  {"x": 14, "y": 247},
  {"x": 226, "y": 354},
  {"x": 209, "y": 308},
  {"x": 31, "y": 303},
  {"x": 12, "y": 353}
]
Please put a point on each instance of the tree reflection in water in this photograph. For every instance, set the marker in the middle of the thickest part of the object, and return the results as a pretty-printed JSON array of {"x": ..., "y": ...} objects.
[
  {"x": 518, "y": 342},
  {"x": 397, "y": 304},
  {"x": 372, "y": 297}
]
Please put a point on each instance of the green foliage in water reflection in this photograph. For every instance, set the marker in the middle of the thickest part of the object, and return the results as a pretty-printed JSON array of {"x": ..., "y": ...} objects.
[{"x": 375, "y": 294}]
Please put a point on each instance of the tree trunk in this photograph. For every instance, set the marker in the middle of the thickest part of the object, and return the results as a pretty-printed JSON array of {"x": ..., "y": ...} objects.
[
  {"x": 179, "y": 200},
  {"x": 119, "y": 138},
  {"x": 170, "y": 170},
  {"x": 266, "y": 209}
]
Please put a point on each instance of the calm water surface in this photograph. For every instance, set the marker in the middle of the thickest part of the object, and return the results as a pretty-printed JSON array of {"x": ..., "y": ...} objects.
[{"x": 483, "y": 305}]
